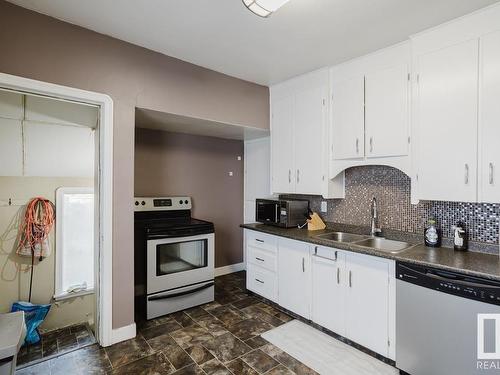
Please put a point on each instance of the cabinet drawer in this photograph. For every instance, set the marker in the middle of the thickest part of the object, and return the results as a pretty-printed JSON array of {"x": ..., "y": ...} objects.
[
  {"x": 262, "y": 241},
  {"x": 262, "y": 282},
  {"x": 262, "y": 258}
]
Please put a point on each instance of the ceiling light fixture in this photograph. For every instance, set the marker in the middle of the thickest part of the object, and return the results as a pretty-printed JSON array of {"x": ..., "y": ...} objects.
[{"x": 264, "y": 8}]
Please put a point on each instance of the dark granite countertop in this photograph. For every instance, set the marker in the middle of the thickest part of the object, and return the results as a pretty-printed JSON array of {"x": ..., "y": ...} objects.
[{"x": 468, "y": 262}]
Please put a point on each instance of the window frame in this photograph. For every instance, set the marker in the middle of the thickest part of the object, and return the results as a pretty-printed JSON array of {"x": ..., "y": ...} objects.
[{"x": 59, "y": 293}]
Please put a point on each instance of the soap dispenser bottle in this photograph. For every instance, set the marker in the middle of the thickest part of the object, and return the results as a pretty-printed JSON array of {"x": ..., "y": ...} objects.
[
  {"x": 432, "y": 234},
  {"x": 459, "y": 236}
]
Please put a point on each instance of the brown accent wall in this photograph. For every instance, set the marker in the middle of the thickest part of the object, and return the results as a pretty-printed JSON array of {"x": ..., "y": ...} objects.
[
  {"x": 181, "y": 164},
  {"x": 42, "y": 48}
]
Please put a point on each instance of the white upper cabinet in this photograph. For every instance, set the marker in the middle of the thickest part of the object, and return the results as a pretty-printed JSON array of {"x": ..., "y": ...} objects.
[
  {"x": 489, "y": 117},
  {"x": 310, "y": 129},
  {"x": 299, "y": 137},
  {"x": 386, "y": 112},
  {"x": 282, "y": 156},
  {"x": 11, "y": 147},
  {"x": 11, "y": 105},
  {"x": 447, "y": 123},
  {"x": 348, "y": 127}
]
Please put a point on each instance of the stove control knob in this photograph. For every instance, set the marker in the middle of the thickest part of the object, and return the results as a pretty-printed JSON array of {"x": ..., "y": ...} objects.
[
  {"x": 143, "y": 203},
  {"x": 136, "y": 203},
  {"x": 180, "y": 202},
  {"x": 186, "y": 201}
]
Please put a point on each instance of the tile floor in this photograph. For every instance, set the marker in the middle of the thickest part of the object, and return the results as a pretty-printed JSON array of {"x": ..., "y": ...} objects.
[
  {"x": 222, "y": 337},
  {"x": 57, "y": 342}
]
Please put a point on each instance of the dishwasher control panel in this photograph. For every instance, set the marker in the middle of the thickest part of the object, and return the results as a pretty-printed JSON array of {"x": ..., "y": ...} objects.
[{"x": 450, "y": 282}]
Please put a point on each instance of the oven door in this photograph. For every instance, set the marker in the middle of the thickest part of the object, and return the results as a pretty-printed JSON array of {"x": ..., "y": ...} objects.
[
  {"x": 178, "y": 262},
  {"x": 267, "y": 211}
]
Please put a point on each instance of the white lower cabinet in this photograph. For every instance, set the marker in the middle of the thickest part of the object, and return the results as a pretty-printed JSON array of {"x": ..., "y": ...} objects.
[
  {"x": 367, "y": 302},
  {"x": 294, "y": 276},
  {"x": 328, "y": 289},
  {"x": 348, "y": 293}
]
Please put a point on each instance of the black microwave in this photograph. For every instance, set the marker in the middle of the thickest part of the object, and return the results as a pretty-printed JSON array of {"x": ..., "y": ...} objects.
[{"x": 281, "y": 212}]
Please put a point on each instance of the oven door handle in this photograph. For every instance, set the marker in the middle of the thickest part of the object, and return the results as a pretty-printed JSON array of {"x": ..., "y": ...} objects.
[{"x": 179, "y": 294}]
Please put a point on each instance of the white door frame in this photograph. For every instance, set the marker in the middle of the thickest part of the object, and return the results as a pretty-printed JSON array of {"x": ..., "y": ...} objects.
[{"x": 106, "y": 335}]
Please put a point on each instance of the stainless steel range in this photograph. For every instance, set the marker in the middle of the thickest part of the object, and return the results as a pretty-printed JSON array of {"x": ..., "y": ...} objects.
[{"x": 174, "y": 257}]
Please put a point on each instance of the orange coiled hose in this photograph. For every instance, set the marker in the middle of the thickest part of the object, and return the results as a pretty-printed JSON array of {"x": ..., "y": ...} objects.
[{"x": 38, "y": 221}]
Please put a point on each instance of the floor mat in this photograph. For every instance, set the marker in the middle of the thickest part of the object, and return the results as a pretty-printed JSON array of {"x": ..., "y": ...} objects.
[{"x": 324, "y": 353}]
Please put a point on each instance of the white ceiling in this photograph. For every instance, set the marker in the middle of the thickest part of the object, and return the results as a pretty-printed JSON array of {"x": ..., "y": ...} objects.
[
  {"x": 224, "y": 36},
  {"x": 148, "y": 119}
]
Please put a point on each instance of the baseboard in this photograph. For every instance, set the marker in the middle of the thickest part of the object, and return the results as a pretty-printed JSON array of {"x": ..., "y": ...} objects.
[
  {"x": 229, "y": 269},
  {"x": 123, "y": 333}
]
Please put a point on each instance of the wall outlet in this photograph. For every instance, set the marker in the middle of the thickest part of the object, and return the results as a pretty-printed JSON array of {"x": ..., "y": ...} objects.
[{"x": 324, "y": 206}]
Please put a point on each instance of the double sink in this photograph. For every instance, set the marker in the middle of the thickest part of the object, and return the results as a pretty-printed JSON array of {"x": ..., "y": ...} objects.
[{"x": 378, "y": 243}]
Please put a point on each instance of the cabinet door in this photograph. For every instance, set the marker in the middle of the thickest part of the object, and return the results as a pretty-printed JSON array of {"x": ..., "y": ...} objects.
[
  {"x": 367, "y": 302},
  {"x": 447, "y": 123},
  {"x": 348, "y": 119},
  {"x": 283, "y": 175},
  {"x": 328, "y": 289},
  {"x": 11, "y": 147},
  {"x": 294, "y": 282},
  {"x": 309, "y": 139},
  {"x": 489, "y": 168},
  {"x": 386, "y": 116}
]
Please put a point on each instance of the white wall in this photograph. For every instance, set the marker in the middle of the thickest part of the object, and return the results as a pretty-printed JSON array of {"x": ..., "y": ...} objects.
[{"x": 257, "y": 174}]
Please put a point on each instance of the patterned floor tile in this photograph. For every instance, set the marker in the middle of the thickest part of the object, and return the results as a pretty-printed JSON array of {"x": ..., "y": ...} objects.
[
  {"x": 159, "y": 330},
  {"x": 249, "y": 328},
  {"x": 155, "y": 364},
  {"x": 226, "y": 347},
  {"x": 199, "y": 354},
  {"x": 258, "y": 313},
  {"x": 214, "y": 367},
  {"x": 128, "y": 351},
  {"x": 280, "y": 370},
  {"x": 241, "y": 368},
  {"x": 191, "y": 336},
  {"x": 259, "y": 360},
  {"x": 190, "y": 370},
  {"x": 256, "y": 342}
]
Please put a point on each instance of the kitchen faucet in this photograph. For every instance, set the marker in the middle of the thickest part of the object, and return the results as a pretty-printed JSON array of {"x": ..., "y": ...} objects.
[{"x": 375, "y": 229}]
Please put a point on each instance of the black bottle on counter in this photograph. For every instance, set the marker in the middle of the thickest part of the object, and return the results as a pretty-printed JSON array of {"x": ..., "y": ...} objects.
[{"x": 432, "y": 234}]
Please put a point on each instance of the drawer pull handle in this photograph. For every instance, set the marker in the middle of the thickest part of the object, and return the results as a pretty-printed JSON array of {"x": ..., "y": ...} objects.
[
  {"x": 259, "y": 259},
  {"x": 258, "y": 240},
  {"x": 350, "y": 279},
  {"x": 492, "y": 170},
  {"x": 466, "y": 174},
  {"x": 303, "y": 265},
  {"x": 259, "y": 281},
  {"x": 338, "y": 275}
]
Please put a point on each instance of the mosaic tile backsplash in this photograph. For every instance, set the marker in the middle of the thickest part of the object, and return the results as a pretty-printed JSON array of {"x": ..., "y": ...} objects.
[{"x": 391, "y": 187}]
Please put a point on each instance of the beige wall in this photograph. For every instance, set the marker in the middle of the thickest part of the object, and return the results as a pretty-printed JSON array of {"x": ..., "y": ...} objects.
[
  {"x": 15, "y": 270},
  {"x": 197, "y": 166},
  {"x": 39, "y": 47}
]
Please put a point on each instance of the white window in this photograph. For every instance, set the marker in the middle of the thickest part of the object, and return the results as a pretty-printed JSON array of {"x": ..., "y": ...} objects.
[{"x": 74, "y": 241}]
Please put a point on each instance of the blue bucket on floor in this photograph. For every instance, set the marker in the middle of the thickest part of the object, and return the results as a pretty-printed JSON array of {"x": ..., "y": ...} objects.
[{"x": 34, "y": 315}]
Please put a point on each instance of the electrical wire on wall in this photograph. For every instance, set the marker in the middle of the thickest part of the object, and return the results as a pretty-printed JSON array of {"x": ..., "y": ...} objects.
[{"x": 38, "y": 222}]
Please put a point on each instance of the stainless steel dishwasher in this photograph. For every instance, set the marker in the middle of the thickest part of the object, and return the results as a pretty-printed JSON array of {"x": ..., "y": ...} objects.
[{"x": 437, "y": 321}]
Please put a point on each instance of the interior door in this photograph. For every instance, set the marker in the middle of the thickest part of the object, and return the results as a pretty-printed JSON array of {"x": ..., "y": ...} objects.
[
  {"x": 447, "y": 123},
  {"x": 309, "y": 139},
  {"x": 294, "y": 283},
  {"x": 282, "y": 153},
  {"x": 367, "y": 302},
  {"x": 386, "y": 116},
  {"x": 328, "y": 289},
  {"x": 489, "y": 168},
  {"x": 348, "y": 118}
]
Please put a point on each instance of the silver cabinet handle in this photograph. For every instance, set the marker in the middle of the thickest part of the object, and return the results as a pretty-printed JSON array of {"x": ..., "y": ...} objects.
[
  {"x": 259, "y": 259},
  {"x": 259, "y": 240},
  {"x": 289, "y": 176},
  {"x": 492, "y": 171},
  {"x": 357, "y": 145},
  {"x": 338, "y": 275},
  {"x": 371, "y": 144},
  {"x": 303, "y": 265},
  {"x": 336, "y": 255},
  {"x": 466, "y": 173},
  {"x": 259, "y": 281},
  {"x": 298, "y": 176},
  {"x": 350, "y": 279}
]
